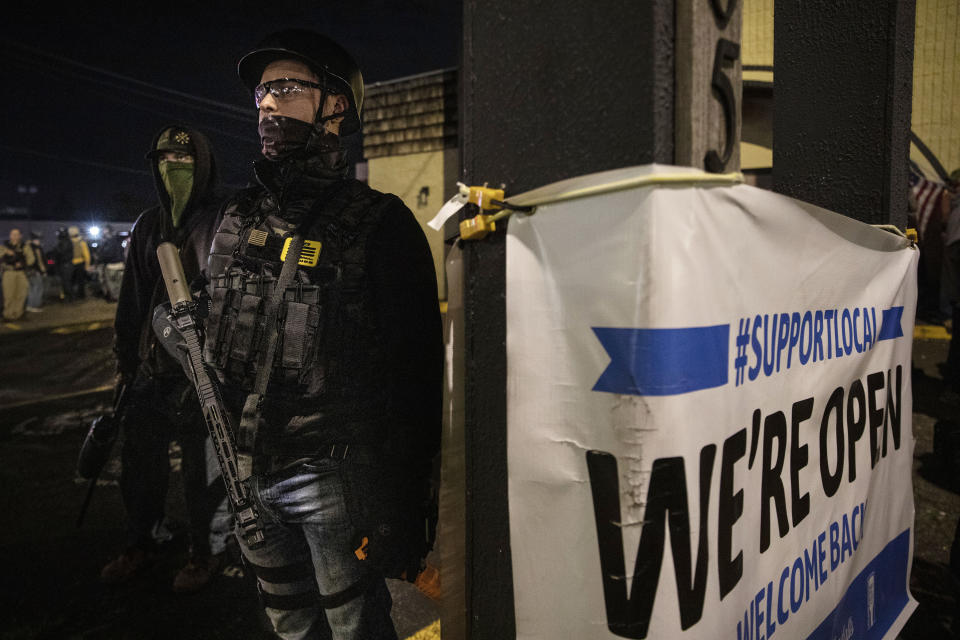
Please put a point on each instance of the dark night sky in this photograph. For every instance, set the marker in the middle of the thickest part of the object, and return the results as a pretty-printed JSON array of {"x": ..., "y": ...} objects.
[{"x": 79, "y": 135}]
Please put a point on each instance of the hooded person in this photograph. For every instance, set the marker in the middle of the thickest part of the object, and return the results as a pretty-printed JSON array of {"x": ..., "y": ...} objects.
[
  {"x": 160, "y": 402},
  {"x": 185, "y": 177}
]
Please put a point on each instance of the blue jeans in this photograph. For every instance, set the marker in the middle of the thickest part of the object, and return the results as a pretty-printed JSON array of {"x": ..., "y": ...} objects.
[
  {"x": 35, "y": 293},
  {"x": 111, "y": 276},
  {"x": 312, "y": 584}
]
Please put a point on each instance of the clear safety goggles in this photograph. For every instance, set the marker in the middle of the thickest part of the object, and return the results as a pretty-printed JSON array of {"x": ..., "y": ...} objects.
[{"x": 282, "y": 89}]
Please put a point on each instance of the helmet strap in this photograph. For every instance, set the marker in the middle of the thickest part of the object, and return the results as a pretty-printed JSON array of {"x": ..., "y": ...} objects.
[
  {"x": 319, "y": 119},
  {"x": 320, "y": 140}
]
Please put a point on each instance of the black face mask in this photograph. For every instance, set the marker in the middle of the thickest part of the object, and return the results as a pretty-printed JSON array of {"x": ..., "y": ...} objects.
[{"x": 280, "y": 136}]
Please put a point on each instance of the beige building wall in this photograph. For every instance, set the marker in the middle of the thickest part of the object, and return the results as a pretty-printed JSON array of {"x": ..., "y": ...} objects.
[
  {"x": 936, "y": 79},
  {"x": 936, "y": 70},
  {"x": 406, "y": 176},
  {"x": 756, "y": 44}
]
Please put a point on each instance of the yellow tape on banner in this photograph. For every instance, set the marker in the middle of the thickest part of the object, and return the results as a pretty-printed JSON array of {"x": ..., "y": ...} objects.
[
  {"x": 483, "y": 197},
  {"x": 481, "y": 225},
  {"x": 477, "y": 227}
]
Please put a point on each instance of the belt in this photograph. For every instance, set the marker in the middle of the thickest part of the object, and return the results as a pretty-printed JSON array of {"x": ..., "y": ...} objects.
[
  {"x": 363, "y": 453},
  {"x": 359, "y": 453},
  {"x": 338, "y": 451}
]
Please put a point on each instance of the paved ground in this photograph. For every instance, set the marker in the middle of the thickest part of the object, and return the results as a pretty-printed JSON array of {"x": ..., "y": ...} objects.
[
  {"x": 63, "y": 314},
  {"x": 48, "y": 580},
  {"x": 57, "y": 376},
  {"x": 937, "y": 503}
]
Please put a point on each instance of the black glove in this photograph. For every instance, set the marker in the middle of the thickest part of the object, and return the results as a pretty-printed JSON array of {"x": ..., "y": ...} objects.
[{"x": 201, "y": 297}]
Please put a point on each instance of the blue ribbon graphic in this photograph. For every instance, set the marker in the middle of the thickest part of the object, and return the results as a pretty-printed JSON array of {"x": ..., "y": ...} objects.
[
  {"x": 890, "y": 324},
  {"x": 664, "y": 362}
]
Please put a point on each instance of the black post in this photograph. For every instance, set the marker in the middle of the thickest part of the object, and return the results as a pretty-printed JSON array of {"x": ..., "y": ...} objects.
[
  {"x": 549, "y": 91},
  {"x": 843, "y": 74}
]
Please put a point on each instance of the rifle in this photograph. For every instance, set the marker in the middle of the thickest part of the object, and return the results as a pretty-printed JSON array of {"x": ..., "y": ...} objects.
[
  {"x": 96, "y": 448},
  {"x": 181, "y": 319}
]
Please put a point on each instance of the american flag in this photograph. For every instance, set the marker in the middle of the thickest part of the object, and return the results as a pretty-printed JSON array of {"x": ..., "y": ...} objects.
[{"x": 927, "y": 195}]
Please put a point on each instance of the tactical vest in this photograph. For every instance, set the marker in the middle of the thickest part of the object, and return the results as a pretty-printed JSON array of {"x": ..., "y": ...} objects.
[{"x": 326, "y": 384}]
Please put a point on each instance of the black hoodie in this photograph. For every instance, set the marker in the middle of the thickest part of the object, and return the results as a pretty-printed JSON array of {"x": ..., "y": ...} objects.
[{"x": 142, "y": 288}]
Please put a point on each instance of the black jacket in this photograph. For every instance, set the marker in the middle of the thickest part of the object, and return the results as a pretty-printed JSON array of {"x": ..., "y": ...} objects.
[
  {"x": 142, "y": 288},
  {"x": 374, "y": 369},
  {"x": 110, "y": 250},
  {"x": 63, "y": 252}
]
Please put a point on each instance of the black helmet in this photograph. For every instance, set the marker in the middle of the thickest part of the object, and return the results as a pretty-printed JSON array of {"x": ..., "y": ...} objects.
[{"x": 328, "y": 59}]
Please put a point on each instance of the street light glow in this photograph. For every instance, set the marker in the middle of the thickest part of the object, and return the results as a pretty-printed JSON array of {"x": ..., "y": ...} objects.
[{"x": 94, "y": 232}]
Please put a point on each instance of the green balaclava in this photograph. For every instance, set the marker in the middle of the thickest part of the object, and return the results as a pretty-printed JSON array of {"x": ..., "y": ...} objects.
[
  {"x": 178, "y": 179},
  {"x": 177, "y": 175}
]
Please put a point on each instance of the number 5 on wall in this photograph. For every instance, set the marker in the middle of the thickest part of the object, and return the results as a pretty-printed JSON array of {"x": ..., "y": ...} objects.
[{"x": 726, "y": 51}]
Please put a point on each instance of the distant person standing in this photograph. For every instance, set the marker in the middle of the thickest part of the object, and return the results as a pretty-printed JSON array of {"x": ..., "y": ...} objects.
[
  {"x": 35, "y": 274},
  {"x": 80, "y": 262},
  {"x": 63, "y": 261},
  {"x": 110, "y": 263},
  {"x": 16, "y": 259}
]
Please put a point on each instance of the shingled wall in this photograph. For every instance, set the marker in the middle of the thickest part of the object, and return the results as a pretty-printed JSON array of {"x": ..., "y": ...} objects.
[{"x": 410, "y": 115}]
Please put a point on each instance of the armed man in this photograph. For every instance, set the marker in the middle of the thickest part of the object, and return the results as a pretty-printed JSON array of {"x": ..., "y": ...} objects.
[
  {"x": 160, "y": 403},
  {"x": 331, "y": 367}
]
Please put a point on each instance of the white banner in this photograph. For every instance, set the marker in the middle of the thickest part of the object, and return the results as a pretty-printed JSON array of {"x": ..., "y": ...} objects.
[{"x": 709, "y": 415}]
